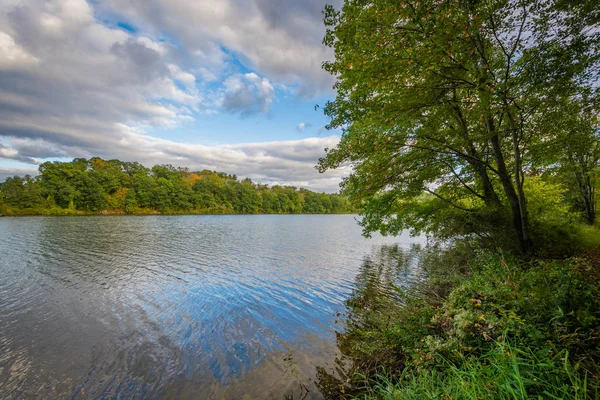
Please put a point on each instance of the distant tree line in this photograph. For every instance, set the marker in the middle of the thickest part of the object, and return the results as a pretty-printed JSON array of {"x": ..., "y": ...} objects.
[{"x": 97, "y": 185}]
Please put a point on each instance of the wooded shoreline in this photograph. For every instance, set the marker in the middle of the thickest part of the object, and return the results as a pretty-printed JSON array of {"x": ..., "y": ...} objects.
[
  {"x": 97, "y": 186},
  {"x": 108, "y": 213}
]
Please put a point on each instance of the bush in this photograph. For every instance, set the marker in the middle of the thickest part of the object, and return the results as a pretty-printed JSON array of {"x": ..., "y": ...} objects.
[
  {"x": 553, "y": 225},
  {"x": 588, "y": 237},
  {"x": 489, "y": 327}
]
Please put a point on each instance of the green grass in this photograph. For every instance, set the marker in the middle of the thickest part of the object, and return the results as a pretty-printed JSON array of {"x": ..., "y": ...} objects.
[
  {"x": 478, "y": 327},
  {"x": 505, "y": 372}
]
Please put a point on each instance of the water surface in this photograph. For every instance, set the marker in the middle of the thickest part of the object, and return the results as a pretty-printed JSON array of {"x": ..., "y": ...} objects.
[{"x": 174, "y": 306}]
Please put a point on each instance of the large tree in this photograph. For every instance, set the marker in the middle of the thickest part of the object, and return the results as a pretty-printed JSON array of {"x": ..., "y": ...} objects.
[{"x": 442, "y": 97}]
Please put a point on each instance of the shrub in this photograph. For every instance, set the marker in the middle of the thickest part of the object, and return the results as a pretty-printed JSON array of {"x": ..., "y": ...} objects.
[{"x": 500, "y": 327}]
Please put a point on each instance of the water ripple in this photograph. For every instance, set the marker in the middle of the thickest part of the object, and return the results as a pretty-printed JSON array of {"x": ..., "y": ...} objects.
[{"x": 142, "y": 307}]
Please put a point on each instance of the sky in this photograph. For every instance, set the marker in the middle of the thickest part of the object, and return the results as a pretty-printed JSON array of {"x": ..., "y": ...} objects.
[{"x": 225, "y": 85}]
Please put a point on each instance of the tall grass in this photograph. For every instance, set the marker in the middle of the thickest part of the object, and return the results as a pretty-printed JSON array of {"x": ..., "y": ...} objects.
[{"x": 505, "y": 372}]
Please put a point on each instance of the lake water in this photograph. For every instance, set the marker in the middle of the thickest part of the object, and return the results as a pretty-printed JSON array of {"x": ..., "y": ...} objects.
[{"x": 217, "y": 307}]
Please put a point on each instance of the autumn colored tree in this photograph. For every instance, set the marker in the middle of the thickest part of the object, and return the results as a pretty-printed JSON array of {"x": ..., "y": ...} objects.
[{"x": 97, "y": 184}]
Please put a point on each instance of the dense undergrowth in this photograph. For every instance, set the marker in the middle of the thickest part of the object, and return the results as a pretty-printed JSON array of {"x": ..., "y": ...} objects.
[{"x": 480, "y": 324}]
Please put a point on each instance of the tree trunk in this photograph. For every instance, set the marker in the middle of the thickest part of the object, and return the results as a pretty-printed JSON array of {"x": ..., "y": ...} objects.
[
  {"x": 516, "y": 198},
  {"x": 591, "y": 202},
  {"x": 489, "y": 194},
  {"x": 586, "y": 189},
  {"x": 519, "y": 179},
  {"x": 513, "y": 199}
]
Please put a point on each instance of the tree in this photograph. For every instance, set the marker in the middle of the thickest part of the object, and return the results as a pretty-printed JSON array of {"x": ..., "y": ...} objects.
[
  {"x": 109, "y": 174},
  {"x": 248, "y": 199},
  {"x": 583, "y": 161},
  {"x": 2, "y": 204},
  {"x": 130, "y": 201},
  {"x": 143, "y": 186},
  {"x": 113, "y": 185},
  {"x": 576, "y": 154},
  {"x": 162, "y": 194},
  {"x": 57, "y": 181},
  {"x": 22, "y": 192},
  {"x": 440, "y": 97}
]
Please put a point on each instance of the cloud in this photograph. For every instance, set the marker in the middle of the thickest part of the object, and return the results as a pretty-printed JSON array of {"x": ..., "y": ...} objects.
[
  {"x": 71, "y": 86},
  {"x": 38, "y": 149},
  {"x": 247, "y": 94},
  {"x": 66, "y": 79},
  {"x": 144, "y": 63},
  {"x": 285, "y": 162},
  {"x": 301, "y": 127},
  {"x": 10, "y": 172},
  {"x": 13, "y": 154},
  {"x": 11, "y": 54},
  {"x": 280, "y": 39}
]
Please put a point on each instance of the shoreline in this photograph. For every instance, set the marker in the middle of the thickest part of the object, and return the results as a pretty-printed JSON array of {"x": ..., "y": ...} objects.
[{"x": 157, "y": 213}]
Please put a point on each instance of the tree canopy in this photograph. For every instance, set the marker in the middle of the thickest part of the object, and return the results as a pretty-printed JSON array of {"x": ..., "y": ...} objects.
[
  {"x": 443, "y": 104},
  {"x": 97, "y": 185}
]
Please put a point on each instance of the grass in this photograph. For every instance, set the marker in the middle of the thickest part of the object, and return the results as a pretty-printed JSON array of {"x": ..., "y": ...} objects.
[
  {"x": 482, "y": 325},
  {"x": 505, "y": 372}
]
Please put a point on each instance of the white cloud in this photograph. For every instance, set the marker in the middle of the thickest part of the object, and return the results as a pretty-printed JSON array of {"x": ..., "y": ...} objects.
[
  {"x": 247, "y": 94},
  {"x": 286, "y": 162},
  {"x": 10, "y": 172},
  {"x": 11, "y": 153},
  {"x": 73, "y": 87},
  {"x": 66, "y": 78},
  {"x": 302, "y": 126},
  {"x": 13, "y": 55},
  {"x": 185, "y": 78},
  {"x": 281, "y": 39}
]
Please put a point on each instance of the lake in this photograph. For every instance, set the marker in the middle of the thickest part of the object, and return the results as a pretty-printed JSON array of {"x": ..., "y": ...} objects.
[{"x": 232, "y": 307}]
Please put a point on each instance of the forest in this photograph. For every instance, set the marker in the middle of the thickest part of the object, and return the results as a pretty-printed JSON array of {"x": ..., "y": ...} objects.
[{"x": 116, "y": 187}]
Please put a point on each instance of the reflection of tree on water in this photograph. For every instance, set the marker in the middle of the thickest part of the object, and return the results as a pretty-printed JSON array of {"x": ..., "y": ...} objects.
[
  {"x": 380, "y": 282},
  {"x": 382, "y": 277}
]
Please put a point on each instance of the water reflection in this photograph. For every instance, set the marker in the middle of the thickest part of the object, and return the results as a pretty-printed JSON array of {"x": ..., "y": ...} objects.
[
  {"x": 172, "y": 307},
  {"x": 383, "y": 278}
]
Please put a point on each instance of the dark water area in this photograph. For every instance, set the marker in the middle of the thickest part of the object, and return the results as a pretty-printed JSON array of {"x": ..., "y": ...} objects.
[{"x": 223, "y": 307}]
